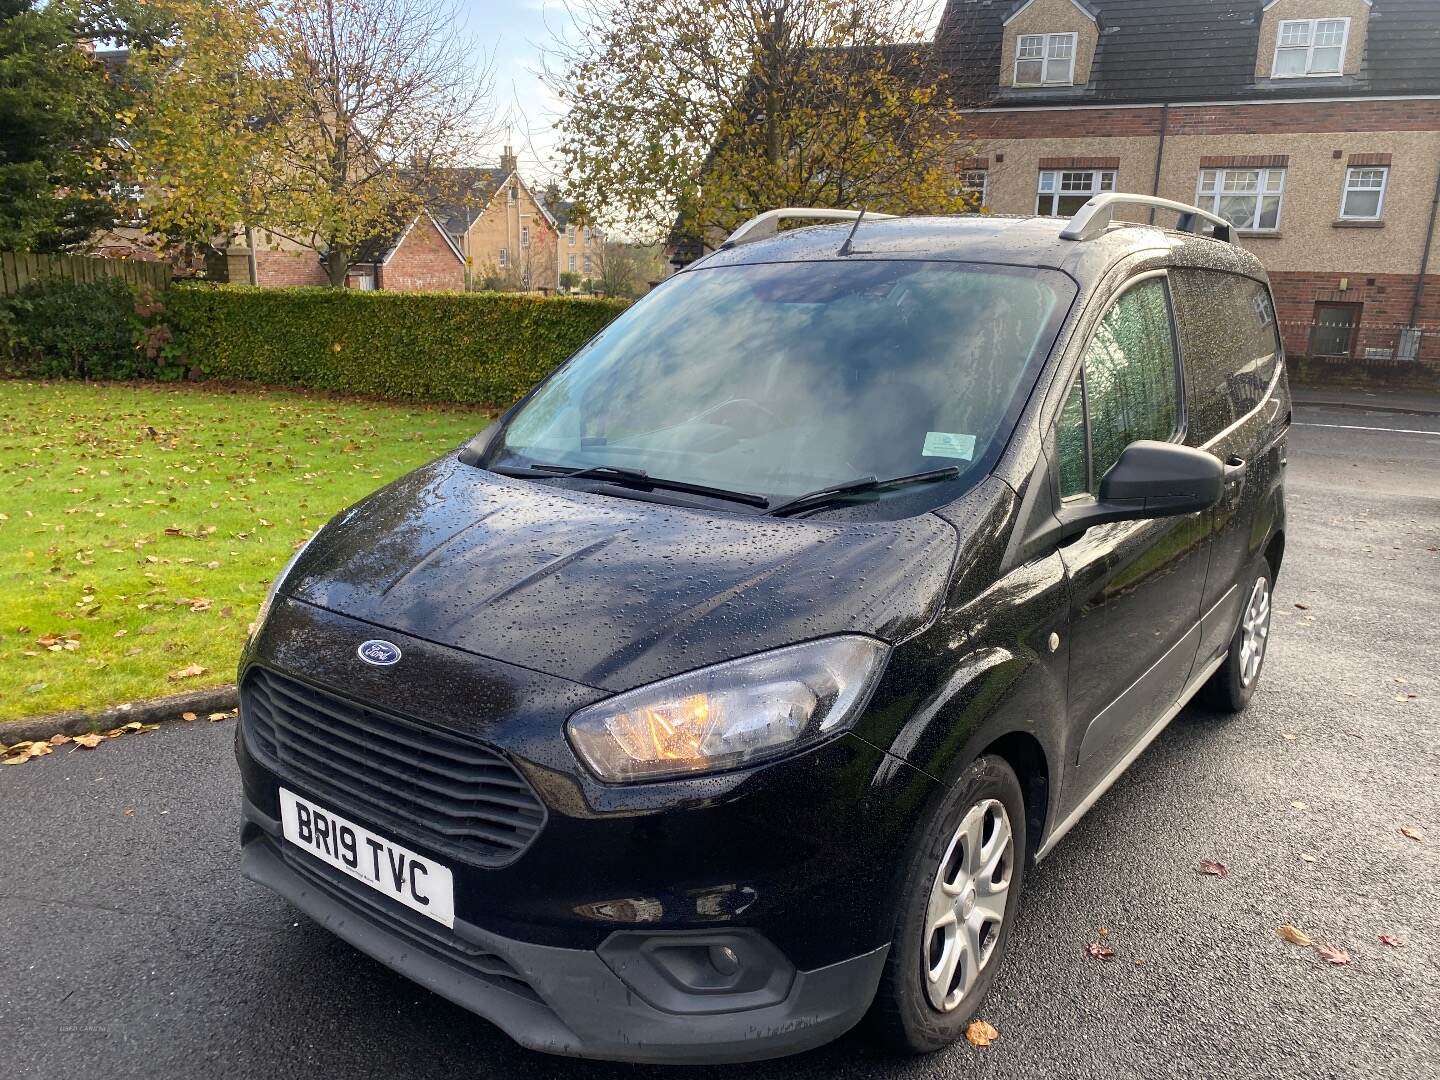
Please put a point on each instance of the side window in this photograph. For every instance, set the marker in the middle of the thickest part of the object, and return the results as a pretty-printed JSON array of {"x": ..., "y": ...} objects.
[
  {"x": 1232, "y": 346},
  {"x": 1071, "y": 443},
  {"x": 1127, "y": 389}
]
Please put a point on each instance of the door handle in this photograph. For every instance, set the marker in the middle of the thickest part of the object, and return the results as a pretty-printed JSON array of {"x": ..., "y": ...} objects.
[{"x": 1234, "y": 470}]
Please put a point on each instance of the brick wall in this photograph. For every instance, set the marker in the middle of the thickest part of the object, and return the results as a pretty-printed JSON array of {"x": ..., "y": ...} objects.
[
  {"x": 1274, "y": 118},
  {"x": 1385, "y": 300},
  {"x": 424, "y": 262},
  {"x": 278, "y": 268}
]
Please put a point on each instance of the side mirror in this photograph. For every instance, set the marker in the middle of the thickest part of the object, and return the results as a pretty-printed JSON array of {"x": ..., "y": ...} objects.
[{"x": 1150, "y": 480}]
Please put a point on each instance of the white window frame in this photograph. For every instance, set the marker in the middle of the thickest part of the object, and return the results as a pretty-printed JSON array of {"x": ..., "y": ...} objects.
[
  {"x": 524, "y": 235},
  {"x": 570, "y": 235},
  {"x": 1046, "y": 58},
  {"x": 1051, "y": 183},
  {"x": 504, "y": 258},
  {"x": 1312, "y": 31},
  {"x": 1210, "y": 200},
  {"x": 966, "y": 184},
  {"x": 571, "y": 265},
  {"x": 589, "y": 267},
  {"x": 1350, "y": 185}
]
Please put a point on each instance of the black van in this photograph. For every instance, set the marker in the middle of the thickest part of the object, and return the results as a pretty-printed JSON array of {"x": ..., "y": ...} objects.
[{"x": 723, "y": 690}]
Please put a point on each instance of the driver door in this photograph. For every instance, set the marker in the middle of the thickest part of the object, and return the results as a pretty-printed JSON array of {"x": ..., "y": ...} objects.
[{"x": 1137, "y": 585}]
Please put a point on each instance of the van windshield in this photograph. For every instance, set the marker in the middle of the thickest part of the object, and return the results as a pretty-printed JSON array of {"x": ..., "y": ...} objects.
[{"x": 782, "y": 378}]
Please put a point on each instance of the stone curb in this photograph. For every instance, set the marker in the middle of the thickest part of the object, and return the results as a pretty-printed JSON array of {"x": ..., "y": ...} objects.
[
  {"x": 79, "y": 721},
  {"x": 1368, "y": 406}
]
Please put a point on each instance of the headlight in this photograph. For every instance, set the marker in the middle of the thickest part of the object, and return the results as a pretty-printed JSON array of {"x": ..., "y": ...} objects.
[
  {"x": 731, "y": 714},
  {"x": 275, "y": 585}
]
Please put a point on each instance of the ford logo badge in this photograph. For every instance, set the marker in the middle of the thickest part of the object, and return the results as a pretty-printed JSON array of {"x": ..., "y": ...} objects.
[{"x": 379, "y": 653}]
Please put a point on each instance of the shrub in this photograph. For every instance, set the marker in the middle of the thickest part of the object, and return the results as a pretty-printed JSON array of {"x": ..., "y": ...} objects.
[
  {"x": 83, "y": 329},
  {"x": 480, "y": 348}
]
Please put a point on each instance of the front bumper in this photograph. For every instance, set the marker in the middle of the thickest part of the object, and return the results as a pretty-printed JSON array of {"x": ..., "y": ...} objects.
[{"x": 557, "y": 1000}]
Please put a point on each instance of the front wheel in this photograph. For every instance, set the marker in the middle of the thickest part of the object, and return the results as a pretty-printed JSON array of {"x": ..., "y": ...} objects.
[
  {"x": 1233, "y": 684},
  {"x": 960, "y": 897}
]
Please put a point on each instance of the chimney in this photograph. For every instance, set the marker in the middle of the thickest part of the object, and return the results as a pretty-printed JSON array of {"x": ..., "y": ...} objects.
[{"x": 508, "y": 164}]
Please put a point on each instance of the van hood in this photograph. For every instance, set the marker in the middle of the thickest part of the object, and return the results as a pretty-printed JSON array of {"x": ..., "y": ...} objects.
[{"x": 610, "y": 592}]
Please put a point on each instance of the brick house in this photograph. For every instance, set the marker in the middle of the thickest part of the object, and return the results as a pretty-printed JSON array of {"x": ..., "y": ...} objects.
[
  {"x": 501, "y": 227},
  {"x": 419, "y": 258},
  {"x": 1313, "y": 125}
]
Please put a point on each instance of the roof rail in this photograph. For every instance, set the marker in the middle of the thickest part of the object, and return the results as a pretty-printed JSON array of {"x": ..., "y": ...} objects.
[
  {"x": 1093, "y": 218},
  {"x": 763, "y": 226}
]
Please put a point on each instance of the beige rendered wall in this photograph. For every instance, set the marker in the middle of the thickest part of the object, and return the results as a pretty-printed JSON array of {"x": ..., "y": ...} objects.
[
  {"x": 499, "y": 227},
  {"x": 1051, "y": 17},
  {"x": 1357, "y": 11}
]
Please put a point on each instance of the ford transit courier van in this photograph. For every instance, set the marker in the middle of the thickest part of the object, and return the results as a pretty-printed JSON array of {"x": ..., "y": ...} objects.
[{"x": 721, "y": 693}]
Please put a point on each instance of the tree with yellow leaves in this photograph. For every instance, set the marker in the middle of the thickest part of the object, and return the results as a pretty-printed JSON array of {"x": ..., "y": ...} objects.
[
  {"x": 319, "y": 122},
  {"x": 706, "y": 112}
]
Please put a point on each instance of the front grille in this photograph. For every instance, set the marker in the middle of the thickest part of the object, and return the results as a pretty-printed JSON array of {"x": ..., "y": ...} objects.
[
  {"x": 416, "y": 929},
  {"x": 448, "y": 793}
]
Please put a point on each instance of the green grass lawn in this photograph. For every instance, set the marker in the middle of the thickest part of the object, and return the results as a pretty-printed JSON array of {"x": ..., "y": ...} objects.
[{"x": 141, "y": 525}]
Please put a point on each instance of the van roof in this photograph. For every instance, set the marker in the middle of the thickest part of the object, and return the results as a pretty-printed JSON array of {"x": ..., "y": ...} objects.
[{"x": 986, "y": 238}]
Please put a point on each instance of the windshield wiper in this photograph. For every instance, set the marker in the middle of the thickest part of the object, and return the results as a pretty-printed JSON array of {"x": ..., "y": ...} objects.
[
  {"x": 635, "y": 478},
  {"x": 824, "y": 495}
]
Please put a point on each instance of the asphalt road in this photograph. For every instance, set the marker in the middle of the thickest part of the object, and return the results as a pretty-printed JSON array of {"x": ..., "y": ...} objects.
[{"x": 130, "y": 946}]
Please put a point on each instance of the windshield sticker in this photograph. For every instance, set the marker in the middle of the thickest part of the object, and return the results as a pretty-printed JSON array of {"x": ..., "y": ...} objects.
[{"x": 949, "y": 444}]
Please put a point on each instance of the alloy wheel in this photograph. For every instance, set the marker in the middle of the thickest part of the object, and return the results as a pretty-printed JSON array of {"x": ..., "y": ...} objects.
[
  {"x": 967, "y": 903},
  {"x": 1254, "y": 632}
]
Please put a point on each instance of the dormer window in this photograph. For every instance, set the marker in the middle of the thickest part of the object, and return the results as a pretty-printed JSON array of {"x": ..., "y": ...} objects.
[
  {"x": 1045, "y": 59},
  {"x": 1310, "y": 47}
]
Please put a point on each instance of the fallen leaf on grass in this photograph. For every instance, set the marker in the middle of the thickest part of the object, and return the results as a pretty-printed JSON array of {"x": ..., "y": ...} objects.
[
  {"x": 1099, "y": 952},
  {"x": 979, "y": 1033},
  {"x": 1210, "y": 866},
  {"x": 199, "y": 603},
  {"x": 1412, "y": 832},
  {"x": 1332, "y": 955},
  {"x": 188, "y": 672},
  {"x": 1293, "y": 935}
]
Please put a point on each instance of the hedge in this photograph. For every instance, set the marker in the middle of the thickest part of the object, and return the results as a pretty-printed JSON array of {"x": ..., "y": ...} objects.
[{"x": 481, "y": 348}]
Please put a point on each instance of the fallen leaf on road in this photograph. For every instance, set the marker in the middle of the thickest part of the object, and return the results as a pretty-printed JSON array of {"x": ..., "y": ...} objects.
[
  {"x": 214, "y": 716},
  {"x": 1412, "y": 832},
  {"x": 1104, "y": 931},
  {"x": 1305, "y": 856},
  {"x": 1288, "y": 735},
  {"x": 59, "y": 740},
  {"x": 1391, "y": 940},
  {"x": 188, "y": 672},
  {"x": 1099, "y": 952},
  {"x": 1297, "y": 805},
  {"x": 89, "y": 741},
  {"x": 1293, "y": 935},
  {"x": 187, "y": 716},
  {"x": 1303, "y": 607},
  {"x": 1332, "y": 955},
  {"x": 1210, "y": 866},
  {"x": 979, "y": 1033}
]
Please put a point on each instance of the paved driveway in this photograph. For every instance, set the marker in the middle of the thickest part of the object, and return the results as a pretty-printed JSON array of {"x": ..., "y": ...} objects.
[{"x": 129, "y": 946}]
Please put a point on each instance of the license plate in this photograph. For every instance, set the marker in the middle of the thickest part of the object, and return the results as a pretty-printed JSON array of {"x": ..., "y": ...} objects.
[{"x": 419, "y": 883}]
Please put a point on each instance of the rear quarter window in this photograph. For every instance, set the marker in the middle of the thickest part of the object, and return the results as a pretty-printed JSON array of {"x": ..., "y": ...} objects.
[{"x": 1229, "y": 344}]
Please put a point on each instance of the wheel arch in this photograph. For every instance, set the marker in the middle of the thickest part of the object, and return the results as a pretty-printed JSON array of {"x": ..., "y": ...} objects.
[{"x": 1026, "y": 756}]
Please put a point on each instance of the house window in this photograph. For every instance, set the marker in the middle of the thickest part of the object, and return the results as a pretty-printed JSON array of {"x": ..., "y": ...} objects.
[
  {"x": 1364, "y": 196},
  {"x": 570, "y": 237},
  {"x": 571, "y": 264},
  {"x": 504, "y": 258},
  {"x": 514, "y": 194},
  {"x": 524, "y": 236},
  {"x": 1247, "y": 198},
  {"x": 1310, "y": 47},
  {"x": 587, "y": 265},
  {"x": 974, "y": 186},
  {"x": 1045, "y": 59},
  {"x": 1064, "y": 191}
]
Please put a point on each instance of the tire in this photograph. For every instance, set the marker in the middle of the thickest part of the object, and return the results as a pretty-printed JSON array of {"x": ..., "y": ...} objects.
[
  {"x": 1232, "y": 686},
  {"x": 911, "y": 1013}
]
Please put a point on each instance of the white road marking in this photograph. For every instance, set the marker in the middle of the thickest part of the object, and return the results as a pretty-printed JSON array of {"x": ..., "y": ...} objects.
[{"x": 1358, "y": 427}]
